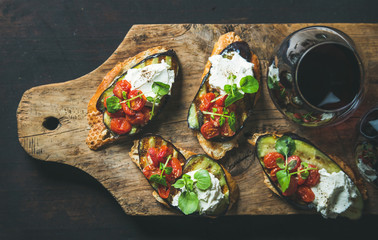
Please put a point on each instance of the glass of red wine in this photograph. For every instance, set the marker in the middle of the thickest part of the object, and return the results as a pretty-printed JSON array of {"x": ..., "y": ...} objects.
[{"x": 316, "y": 77}]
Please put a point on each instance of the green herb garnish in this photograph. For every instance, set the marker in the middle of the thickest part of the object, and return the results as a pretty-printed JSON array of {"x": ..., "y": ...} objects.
[
  {"x": 160, "y": 89},
  {"x": 113, "y": 104},
  {"x": 231, "y": 118},
  {"x": 248, "y": 84},
  {"x": 188, "y": 200},
  {"x": 286, "y": 146},
  {"x": 160, "y": 178}
]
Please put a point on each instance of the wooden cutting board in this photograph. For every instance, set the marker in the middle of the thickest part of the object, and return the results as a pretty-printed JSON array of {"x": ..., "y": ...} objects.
[{"x": 52, "y": 124}]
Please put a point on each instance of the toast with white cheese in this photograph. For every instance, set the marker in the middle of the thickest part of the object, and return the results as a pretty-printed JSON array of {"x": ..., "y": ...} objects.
[
  {"x": 166, "y": 166},
  {"x": 228, "y": 92},
  {"x": 130, "y": 95},
  {"x": 307, "y": 178}
]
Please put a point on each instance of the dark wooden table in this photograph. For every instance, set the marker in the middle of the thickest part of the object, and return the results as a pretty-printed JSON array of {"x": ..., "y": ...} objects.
[{"x": 45, "y": 42}]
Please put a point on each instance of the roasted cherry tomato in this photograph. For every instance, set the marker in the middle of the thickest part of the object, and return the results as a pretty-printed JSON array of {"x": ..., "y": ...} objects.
[
  {"x": 117, "y": 114},
  {"x": 220, "y": 100},
  {"x": 273, "y": 174},
  {"x": 164, "y": 152},
  {"x": 297, "y": 160},
  {"x": 120, "y": 125},
  {"x": 138, "y": 103},
  {"x": 138, "y": 119},
  {"x": 164, "y": 190},
  {"x": 153, "y": 154},
  {"x": 208, "y": 130},
  {"x": 150, "y": 170},
  {"x": 121, "y": 86},
  {"x": 305, "y": 194},
  {"x": 176, "y": 167},
  {"x": 105, "y": 101},
  {"x": 292, "y": 187},
  {"x": 270, "y": 159},
  {"x": 206, "y": 103},
  {"x": 127, "y": 110},
  {"x": 300, "y": 179},
  {"x": 313, "y": 177}
]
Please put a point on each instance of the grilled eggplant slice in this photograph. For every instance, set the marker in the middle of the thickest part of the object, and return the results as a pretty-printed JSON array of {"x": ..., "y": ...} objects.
[
  {"x": 312, "y": 155},
  {"x": 142, "y": 158},
  {"x": 100, "y": 119},
  {"x": 244, "y": 106},
  {"x": 228, "y": 186}
]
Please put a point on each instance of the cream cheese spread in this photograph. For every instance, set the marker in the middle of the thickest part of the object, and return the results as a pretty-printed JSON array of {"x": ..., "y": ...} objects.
[
  {"x": 143, "y": 78},
  {"x": 208, "y": 199},
  {"x": 334, "y": 193},
  {"x": 228, "y": 71}
]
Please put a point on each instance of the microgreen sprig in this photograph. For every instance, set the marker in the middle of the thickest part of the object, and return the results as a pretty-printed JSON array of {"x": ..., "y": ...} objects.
[
  {"x": 231, "y": 117},
  {"x": 286, "y": 146},
  {"x": 160, "y": 89},
  {"x": 113, "y": 103},
  {"x": 248, "y": 84},
  {"x": 160, "y": 178}
]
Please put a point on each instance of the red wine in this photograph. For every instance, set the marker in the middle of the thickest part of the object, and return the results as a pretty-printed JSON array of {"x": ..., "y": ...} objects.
[{"x": 329, "y": 76}]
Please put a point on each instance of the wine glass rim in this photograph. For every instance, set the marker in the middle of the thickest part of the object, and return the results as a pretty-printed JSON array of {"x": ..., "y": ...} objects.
[{"x": 363, "y": 122}]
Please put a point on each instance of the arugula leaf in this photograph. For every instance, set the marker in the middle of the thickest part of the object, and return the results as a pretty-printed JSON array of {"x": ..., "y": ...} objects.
[
  {"x": 158, "y": 179},
  {"x": 188, "y": 202},
  {"x": 283, "y": 178},
  {"x": 249, "y": 84},
  {"x": 280, "y": 163},
  {"x": 285, "y": 145},
  {"x": 291, "y": 165},
  {"x": 179, "y": 183},
  {"x": 231, "y": 98},
  {"x": 227, "y": 89},
  {"x": 168, "y": 170},
  {"x": 113, "y": 104},
  {"x": 203, "y": 179},
  {"x": 160, "y": 88},
  {"x": 186, "y": 181}
]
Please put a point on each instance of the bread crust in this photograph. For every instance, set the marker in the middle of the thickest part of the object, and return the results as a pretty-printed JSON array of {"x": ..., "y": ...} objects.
[
  {"x": 99, "y": 135},
  {"x": 218, "y": 150}
]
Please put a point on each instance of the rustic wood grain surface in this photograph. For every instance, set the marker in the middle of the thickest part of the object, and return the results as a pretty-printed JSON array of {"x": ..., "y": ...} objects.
[{"x": 193, "y": 44}]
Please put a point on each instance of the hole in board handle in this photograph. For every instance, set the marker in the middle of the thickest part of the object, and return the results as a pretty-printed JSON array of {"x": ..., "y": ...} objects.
[{"x": 51, "y": 123}]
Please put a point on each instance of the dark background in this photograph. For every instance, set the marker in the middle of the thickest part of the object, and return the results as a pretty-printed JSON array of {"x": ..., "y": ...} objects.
[{"x": 50, "y": 41}]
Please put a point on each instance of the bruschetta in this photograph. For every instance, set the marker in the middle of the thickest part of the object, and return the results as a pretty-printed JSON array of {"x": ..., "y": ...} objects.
[
  {"x": 227, "y": 94},
  {"x": 308, "y": 178},
  {"x": 131, "y": 95},
  {"x": 188, "y": 183}
]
